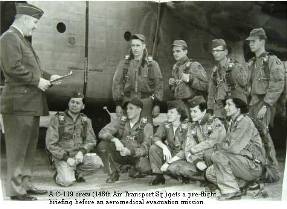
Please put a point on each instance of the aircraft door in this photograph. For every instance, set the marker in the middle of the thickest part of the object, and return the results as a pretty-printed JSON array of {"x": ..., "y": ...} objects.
[{"x": 108, "y": 22}]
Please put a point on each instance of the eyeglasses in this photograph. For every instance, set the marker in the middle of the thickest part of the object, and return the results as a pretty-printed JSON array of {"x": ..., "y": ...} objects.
[{"x": 217, "y": 50}]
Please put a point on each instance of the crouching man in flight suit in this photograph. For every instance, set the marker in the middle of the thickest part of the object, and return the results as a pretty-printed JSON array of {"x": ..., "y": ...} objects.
[
  {"x": 203, "y": 133},
  {"x": 240, "y": 155},
  {"x": 69, "y": 138},
  {"x": 167, "y": 140},
  {"x": 127, "y": 142}
]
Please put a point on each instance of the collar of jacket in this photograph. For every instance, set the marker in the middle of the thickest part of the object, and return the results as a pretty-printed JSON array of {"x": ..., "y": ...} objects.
[
  {"x": 17, "y": 30},
  {"x": 236, "y": 120},
  {"x": 69, "y": 115},
  {"x": 182, "y": 61},
  {"x": 204, "y": 119},
  {"x": 226, "y": 64},
  {"x": 264, "y": 54},
  {"x": 136, "y": 125}
]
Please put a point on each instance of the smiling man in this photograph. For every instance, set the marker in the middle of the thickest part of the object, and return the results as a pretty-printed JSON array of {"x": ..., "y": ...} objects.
[
  {"x": 226, "y": 76},
  {"x": 138, "y": 75},
  {"x": 69, "y": 138},
  {"x": 127, "y": 142}
]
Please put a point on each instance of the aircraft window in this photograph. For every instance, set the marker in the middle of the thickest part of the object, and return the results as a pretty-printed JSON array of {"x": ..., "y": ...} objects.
[
  {"x": 61, "y": 27},
  {"x": 127, "y": 35}
]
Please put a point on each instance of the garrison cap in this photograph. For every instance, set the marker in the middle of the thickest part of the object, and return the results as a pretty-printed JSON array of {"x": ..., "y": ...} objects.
[
  {"x": 29, "y": 9},
  {"x": 195, "y": 101},
  {"x": 257, "y": 33},
  {"x": 138, "y": 36},
  {"x": 135, "y": 101},
  {"x": 179, "y": 43},
  {"x": 77, "y": 94},
  {"x": 235, "y": 94},
  {"x": 217, "y": 43}
]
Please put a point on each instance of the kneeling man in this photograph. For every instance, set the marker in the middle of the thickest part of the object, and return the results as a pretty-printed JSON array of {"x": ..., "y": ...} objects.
[
  {"x": 69, "y": 138},
  {"x": 127, "y": 142}
]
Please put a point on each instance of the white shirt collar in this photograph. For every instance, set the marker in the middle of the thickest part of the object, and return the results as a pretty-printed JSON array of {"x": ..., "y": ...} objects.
[{"x": 132, "y": 124}]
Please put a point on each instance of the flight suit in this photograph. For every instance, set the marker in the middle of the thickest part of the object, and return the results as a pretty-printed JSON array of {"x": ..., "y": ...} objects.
[
  {"x": 197, "y": 84},
  {"x": 137, "y": 139},
  {"x": 266, "y": 80},
  {"x": 173, "y": 140},
  {"x": 132, "y": 78},
  {"x": 240, "y": 155},
  {"x": 222, "y": 81},
  {"x": 22, "y": 104},
  {"x": 198, "y": 146},
  {"x": 64, "y": 138}
]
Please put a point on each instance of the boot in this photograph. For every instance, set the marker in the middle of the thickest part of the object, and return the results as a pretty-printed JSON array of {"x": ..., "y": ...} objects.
[
  {"x": 134, "y": 173},
  {"x": 113, "y": 177},
  {"x": 159, "y": 179},
  {"x": 79, "y": 178}
]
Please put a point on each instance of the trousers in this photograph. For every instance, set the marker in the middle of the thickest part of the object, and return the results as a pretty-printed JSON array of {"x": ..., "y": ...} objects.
[
  {"x": 228, "y": 168},
  {"x": 66, "y": 173},
  {"x": 21, "y": 137}
]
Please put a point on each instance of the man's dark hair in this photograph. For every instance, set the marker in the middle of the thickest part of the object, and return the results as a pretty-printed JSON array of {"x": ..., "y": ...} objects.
[
  {"x": 240, "y": 104},
  {"x": 182, "y": 113},
  {"x": 83, "y": 99},
  {"x": 202, "y": 106}
]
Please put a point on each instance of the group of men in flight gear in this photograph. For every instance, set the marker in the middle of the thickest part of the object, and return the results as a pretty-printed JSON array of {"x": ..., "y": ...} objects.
[{"x": 209, "y": 133}]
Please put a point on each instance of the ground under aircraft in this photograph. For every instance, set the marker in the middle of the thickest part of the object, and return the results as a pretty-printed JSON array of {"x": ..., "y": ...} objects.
[{"x": 89, "y": 38}]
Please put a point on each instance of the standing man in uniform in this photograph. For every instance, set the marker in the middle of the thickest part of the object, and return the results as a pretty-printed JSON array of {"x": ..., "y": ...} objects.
[
  {"x": 240, "y": 155},
  {"x": 138, "y": 75},
  {"x": 127, "y": 142},
  {"x": 203, "y": 134},
  {"x": 266, "y": 78},
  {"x": 23, "y": 100},
  {"x": 189, "y": 78},
  {"x": 226, "y": 76},
  {"x": 266, "y": 81},
  {"x": 167, "y": 141},
  {"x": 70, "y": 137}
]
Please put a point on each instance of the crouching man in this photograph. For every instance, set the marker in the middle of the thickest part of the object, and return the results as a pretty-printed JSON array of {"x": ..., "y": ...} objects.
[
  {"x": 70, "y": 138},
  {"x": 203, "y": 133},
  {"x": 167, "y": 140},
  {"x": 127, "y": 142},
  {"x": 241, "y": 154}
]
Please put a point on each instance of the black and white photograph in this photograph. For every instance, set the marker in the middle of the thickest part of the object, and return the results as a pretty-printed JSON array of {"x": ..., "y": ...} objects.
[{"x": 143, "y": 102}]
